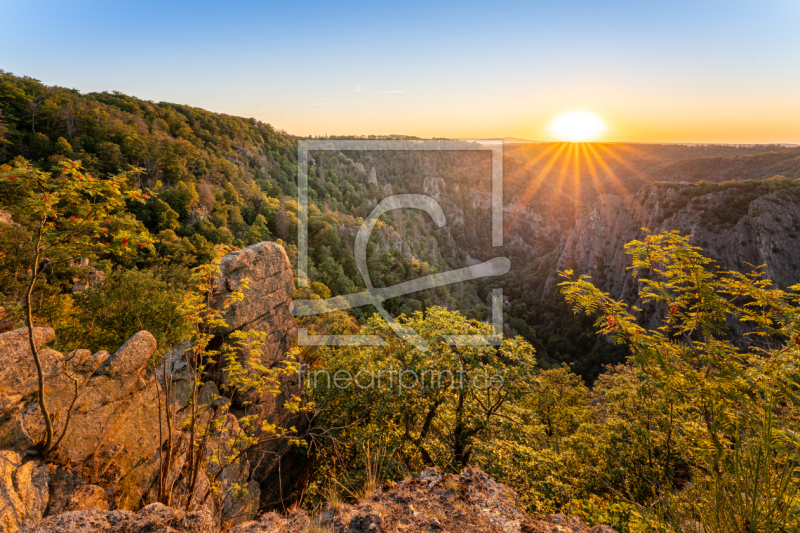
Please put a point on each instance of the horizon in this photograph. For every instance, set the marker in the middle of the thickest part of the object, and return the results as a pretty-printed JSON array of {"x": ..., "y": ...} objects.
[{"x": 686, "y": 73}]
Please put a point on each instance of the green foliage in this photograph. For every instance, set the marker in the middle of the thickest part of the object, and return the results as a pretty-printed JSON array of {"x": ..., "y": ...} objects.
[
  {"x": 707, "y": 398},
  {"x": 249, "y": 376},
  {"x": 61, "y": 218},
  {"x": 258, "y": 231},
  {"x": 429, "y": 407},
  {"x": 104, "y": 316}
]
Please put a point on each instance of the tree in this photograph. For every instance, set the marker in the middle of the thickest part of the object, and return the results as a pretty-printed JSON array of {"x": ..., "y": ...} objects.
[
  {"x": 104, "y": 316},
  {"x": 66, "y": 216},
  {"x": 258, "y": 231},
  {"x": 249, "y": 375},
  {"x": 163, "y": 216},
  {"x": 717, "y": 392},
  {"x": 206, "y": 196},
  {"x": 430, "y": 407}
]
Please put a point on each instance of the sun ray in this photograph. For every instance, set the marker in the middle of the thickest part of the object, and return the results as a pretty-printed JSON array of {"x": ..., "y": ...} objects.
[
  {"x": 644, "y": 155},
  {"x": 636, "y": 171},
  {"x": 590, "y": 154},
  {"x": 623, "y": 191},
  {"x": 536, "y": 182},
  {"x": 577, "y": 192},
  {"x": 618, "y": 185},
  {"x": 564, "y": 167}
]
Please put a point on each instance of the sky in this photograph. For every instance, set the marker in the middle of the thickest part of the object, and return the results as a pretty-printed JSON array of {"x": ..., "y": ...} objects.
[{"x": 678, "y": 71}]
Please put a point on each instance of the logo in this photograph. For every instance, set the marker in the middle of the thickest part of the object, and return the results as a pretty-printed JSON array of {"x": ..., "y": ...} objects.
[{"x": 375, "y": 296}]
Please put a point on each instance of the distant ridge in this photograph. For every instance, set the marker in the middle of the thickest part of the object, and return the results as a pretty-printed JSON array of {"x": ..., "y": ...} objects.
[{"x": 517, "y": 140}]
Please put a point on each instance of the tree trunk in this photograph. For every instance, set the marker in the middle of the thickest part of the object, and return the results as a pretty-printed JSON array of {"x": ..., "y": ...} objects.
[{"x": 48, "y": 438}]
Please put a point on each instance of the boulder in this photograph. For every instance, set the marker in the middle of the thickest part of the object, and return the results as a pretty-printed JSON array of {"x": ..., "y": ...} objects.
[
  {"x": 131, "y": 357},
  {"x": 114, "y": 424},
  {"x": 5, "y": 218},
  {"x": 89, "y": 521}
]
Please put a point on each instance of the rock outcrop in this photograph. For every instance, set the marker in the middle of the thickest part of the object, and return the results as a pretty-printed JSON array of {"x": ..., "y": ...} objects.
[
  {"x": 736, "y": 225},
  {"x": 113, "y": 429},
  {"x": 266, "y": 303},
  {"x": 153, "y": 518},
  {"x": 435, "y": 502},
  {"x": 112, "y": 452}
]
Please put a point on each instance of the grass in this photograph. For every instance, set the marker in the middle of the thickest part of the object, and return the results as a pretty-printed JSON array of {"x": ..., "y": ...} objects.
[{"x": 316, "y": 527}]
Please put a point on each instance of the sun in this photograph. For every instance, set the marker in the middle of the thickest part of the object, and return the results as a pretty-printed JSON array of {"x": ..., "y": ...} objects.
[{"x": 577, "y": 126}]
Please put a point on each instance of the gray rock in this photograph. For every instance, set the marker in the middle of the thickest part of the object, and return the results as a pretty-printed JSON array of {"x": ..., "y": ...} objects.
[
  {"x": 153, "y": 518},
  {"x": 480, "y": 505},
  {"x": 5, "y": 218},
  {"x": 158, "y": 518}
]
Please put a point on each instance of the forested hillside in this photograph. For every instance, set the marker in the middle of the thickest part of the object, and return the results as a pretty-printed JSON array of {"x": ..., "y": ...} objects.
[{"x": 218, "y": 179}]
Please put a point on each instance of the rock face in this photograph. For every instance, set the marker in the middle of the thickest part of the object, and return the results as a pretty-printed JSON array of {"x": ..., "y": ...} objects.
[
  {"x": 266, "y": 307},
  {"x": 469, "y": 502},
  {"x": 114, "y": 425},
  {"x": 735, "y": 226},
  {"x": 110, "y": 456},
  {"x": 266, "y": 303},
  {"x": 23, "y": 491}
]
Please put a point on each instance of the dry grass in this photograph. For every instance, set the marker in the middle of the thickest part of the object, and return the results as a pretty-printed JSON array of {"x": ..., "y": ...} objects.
[
  {"x": 460, "y": 507},
  {"x": 316, "y": 527},
  {"x": 333, "y": 498}
]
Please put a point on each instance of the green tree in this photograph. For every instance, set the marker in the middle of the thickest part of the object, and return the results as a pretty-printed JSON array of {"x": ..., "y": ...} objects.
[
  {"x": 103, "y": 317},
  {"x": 258, "y": 231},
  {"x": 709, "y": 389},
  {"x": 164, "y": 217},
  {"x": 431, "y": 407},
  {"x": 66, "y": 215}
]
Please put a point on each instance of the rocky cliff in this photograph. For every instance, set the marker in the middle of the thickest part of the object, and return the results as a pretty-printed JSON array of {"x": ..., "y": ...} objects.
[
  {"x": 740, "y": 225},
  {"x": 113, "y": 408}
]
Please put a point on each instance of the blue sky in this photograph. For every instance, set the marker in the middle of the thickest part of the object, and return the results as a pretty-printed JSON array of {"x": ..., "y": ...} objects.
[{"x": 669, "y": 71}]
